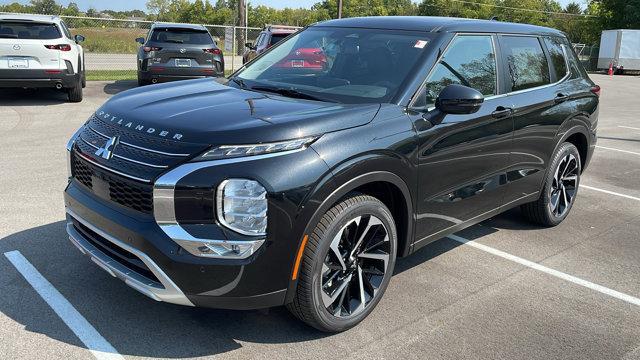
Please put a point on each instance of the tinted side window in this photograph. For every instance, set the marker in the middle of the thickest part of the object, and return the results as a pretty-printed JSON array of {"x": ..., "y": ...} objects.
[
  {"x": 526, "y": 62},
  {"x": 65, "y": 29},
  {"x": 470, "y": 61},
  {"x": 557, "y": 54}
]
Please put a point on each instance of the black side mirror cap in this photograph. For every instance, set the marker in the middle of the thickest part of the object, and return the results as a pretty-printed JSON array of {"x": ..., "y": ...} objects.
[
  {"x": 140, "y": 40},
  {"x": 459, "y": 99},
  {"x": 249, "y": 45},
  {"x": 78, "y": 38}
]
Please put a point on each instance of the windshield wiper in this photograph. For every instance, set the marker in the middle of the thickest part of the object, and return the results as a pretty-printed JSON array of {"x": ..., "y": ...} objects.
[
  {"x": 175, "y": 41},
  {"x": 288, "y": 92},
  {"x": 240, "y": 82}
]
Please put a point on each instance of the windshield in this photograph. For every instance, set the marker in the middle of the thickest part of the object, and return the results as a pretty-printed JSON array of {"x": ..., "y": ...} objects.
[
  {"x": 344, "y": 65},
  {"x": 29, "y": 30},
  {"x": 181, "y": 36}
]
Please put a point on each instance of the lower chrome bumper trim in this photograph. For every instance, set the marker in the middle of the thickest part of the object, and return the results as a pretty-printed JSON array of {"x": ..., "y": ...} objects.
[{"x": 166, "y": 290}]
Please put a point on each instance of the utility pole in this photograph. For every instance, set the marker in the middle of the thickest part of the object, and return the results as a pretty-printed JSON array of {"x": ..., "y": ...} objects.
[
  {"x": 339, "y": 9},
  {"x": 242, "y": 21}
]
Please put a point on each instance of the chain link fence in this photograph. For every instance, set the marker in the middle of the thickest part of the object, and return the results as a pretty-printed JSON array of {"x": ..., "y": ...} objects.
[
  {"x": 588, "y": 56},
  {"x": 111, "y": 50}
]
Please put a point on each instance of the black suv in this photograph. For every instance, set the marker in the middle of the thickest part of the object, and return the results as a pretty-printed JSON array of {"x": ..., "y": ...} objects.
[
  {"x": 298, "y": 187},
  {"x": 178, "y": 52}
]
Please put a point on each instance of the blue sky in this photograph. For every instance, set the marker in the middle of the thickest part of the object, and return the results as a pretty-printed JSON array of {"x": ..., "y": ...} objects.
[{"x": 140, "y": 4}]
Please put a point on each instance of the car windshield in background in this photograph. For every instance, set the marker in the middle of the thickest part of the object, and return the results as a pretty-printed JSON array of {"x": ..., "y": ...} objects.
[
  {"x": 181, "y": 36},
  {"x": 344, "y": 65},
  {"x": 28, "y": 30},
  {"x": 276, "y": 38}
]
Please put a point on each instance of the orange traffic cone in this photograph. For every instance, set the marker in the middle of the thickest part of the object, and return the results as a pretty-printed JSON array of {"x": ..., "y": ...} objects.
[{"x": 610, "y": 72}]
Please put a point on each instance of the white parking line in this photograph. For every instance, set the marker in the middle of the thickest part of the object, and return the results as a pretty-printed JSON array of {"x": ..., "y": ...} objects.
[
  {"x": 609, "y": 192},
  {"x": 622, "y": 151},
  {"x": 628, "y": 127},
  {"x": 99, "y": 346},
  {"x": 533, "y": 265}
]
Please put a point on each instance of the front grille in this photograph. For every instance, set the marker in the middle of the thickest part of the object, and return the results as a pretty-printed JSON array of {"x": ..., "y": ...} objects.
[
  {"x": 115, "y": 252},
  {"x": 109, "y": 186}
]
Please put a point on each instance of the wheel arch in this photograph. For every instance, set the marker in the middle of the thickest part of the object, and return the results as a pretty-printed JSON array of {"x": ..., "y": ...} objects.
[
  {"x": 386, "y": 186},
  {"x": 576, "y": 131}
]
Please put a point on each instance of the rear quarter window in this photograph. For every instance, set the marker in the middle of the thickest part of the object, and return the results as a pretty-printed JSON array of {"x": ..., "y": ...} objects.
[
  {"x": 557, "y": 55},
  {"x": 29, "y": 30},
  {"x": 526, "y": 62}
]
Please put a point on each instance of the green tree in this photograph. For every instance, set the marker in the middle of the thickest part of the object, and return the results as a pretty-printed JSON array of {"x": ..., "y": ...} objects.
[
  {"x": 71, "y": 10},
  {"x": 49, "y": 7}
]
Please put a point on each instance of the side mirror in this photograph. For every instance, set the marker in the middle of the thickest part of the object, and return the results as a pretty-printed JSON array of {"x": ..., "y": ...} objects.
[
  {"x": 249, "y": 45},
  {"x": 459, "y": 99},
  {"x": 140, "y": 40},
  {"x": 79, "y": 38}
]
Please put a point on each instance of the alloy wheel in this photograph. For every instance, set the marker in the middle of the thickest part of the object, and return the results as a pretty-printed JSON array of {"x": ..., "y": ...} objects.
[
  {"x": 564, "y": 186},
  {"x": 355, "y": 266}
]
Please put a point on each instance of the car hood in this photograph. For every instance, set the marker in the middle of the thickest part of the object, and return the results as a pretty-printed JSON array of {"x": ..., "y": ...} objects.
[{"x": 205, "y": 111}]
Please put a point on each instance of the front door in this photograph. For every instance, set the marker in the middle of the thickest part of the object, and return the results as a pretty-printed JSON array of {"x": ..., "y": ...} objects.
[{"x": 462, "y": 159}]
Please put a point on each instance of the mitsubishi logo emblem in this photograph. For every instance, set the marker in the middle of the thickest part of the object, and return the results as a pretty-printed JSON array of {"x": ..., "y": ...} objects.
[
  {"x": 16, "y": 47},
  {"x": 182, "y": 51},
  {"x": 106, "y": 152}
]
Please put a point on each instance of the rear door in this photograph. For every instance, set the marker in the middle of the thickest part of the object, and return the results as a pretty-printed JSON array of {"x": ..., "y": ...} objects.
[
  {"x": 537, "y": 99},
  {"x": 23, "y": 45}
]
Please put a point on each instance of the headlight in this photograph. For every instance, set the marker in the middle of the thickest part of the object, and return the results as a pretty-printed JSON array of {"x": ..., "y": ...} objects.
[
  {"x": 231, "y": 151},
  {"x": 242, "y": 206}
]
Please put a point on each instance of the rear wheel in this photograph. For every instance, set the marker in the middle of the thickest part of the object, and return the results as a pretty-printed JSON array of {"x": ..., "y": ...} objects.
[
  {"x": 347, "y": 264},
  {"x": 75, "y": 92},
  {"x": 560, "y": 188}
]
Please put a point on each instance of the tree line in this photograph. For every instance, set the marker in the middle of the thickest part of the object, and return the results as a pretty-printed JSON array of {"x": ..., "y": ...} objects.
[{"x": 582, "y": 25}]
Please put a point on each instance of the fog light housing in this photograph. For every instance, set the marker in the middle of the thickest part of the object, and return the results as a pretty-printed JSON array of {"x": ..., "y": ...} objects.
[{"x": 241, "y": 206}]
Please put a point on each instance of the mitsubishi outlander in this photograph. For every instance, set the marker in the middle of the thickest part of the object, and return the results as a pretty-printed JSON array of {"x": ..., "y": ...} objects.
[{"x": 296, "y": 186}]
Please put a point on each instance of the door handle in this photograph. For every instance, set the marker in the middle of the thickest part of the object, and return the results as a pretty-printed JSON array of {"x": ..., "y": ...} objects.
[
  {"x": 502, "y": 112},
  {"x": 560, "y": 98}
]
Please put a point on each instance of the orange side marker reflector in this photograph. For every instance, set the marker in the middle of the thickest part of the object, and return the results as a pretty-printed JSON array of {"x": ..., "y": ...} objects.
[{"x": 296, "y": 266}]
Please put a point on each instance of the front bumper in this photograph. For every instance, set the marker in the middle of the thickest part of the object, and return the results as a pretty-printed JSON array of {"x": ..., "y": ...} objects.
[
  {"x": 165, "y": 272},
  {"x": 18, "y": 78}
]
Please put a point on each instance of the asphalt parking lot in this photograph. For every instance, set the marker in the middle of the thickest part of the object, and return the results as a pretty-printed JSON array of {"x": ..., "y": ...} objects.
[{"x": 514, "y": 291}]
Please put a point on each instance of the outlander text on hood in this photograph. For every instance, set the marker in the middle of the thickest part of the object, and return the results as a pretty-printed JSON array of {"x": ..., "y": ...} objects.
[{"x": 301, "y": 185}]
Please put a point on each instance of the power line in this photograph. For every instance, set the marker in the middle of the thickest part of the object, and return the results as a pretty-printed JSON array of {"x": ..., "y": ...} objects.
[{"x": 522, "y": 9}]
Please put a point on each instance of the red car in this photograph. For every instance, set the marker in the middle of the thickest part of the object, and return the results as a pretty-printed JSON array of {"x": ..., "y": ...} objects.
[{"x": 307, "y": 58}]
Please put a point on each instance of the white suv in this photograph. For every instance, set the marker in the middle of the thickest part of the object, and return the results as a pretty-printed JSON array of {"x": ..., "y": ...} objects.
[{"x": 39, "y": 51}]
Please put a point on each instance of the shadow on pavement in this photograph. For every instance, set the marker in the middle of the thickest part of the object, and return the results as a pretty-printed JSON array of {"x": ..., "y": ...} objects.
[
  {"x": 134, "y": 324},
  {"x": 119, "y": 86},
  {"x": 32, "y": 97}
]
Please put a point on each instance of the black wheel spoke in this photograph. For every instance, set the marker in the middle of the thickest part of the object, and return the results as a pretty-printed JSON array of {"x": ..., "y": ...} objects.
[
  {"x": 564, "y": 185},
  {"x": 354, "y": 266}
]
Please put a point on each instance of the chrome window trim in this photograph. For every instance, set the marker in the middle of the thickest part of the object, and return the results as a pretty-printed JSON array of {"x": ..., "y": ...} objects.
[
  {"x": 137, "y": 146},
  {"x": 168, "y": 292},
  {"x": 164, "y": 210},
  {"x": 114, "y": 171},
  {"x": 126, "y": 158},
  {"x": 566, "y": 76}
]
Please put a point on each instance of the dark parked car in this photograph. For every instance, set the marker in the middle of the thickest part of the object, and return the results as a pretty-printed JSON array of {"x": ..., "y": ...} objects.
[
  {"x": 178, "y": 52},
  {"x": 298, "y": 188},
  {"x": 268, "y": 37}
]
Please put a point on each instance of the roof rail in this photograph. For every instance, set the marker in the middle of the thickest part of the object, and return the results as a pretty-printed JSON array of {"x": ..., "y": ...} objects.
[{"x": 271, "y": 27}]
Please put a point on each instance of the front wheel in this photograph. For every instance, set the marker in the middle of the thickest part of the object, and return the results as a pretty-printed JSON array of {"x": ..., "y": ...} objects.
[
  {"x": 560, "y": 188},
  {"x": 347, "y": 264}
]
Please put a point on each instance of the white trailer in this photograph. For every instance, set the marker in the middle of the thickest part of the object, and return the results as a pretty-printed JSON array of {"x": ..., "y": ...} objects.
[{"x": 621, "y": 48}]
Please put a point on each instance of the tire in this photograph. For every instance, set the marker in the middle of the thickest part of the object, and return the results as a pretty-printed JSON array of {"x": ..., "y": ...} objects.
[
  {"x": 359, "y": 225},
  {"x": 143, "y": 82},
  {"x": 84, "y": 79},
  {"x": 75, "y": 92},
  {"x": 562, "y": 182}
]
